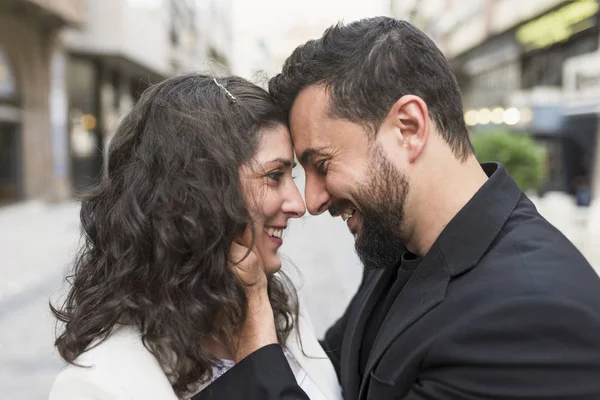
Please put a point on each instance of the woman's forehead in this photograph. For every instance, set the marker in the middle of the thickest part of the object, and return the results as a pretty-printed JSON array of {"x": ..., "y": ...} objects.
[{"x": 275, "y": 143}]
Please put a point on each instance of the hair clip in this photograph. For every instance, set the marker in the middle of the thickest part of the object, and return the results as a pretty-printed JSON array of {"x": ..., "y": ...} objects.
[{"x": 227, "y": 92}]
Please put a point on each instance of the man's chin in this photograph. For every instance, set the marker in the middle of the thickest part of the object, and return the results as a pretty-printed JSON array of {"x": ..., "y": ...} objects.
[{"x": 377, "y": 249}]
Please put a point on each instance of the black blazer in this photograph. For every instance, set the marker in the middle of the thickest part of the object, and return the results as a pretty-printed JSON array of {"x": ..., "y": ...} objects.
[{"x": 502, "y": 307}]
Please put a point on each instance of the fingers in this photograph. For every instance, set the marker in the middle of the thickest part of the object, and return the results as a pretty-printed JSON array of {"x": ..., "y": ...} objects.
[
  {"x": 246, "y": 238},
  {"x": 247, "y": 265},
  {"x": 238, "y": 253},
  {"x": 246, "y": 260}
]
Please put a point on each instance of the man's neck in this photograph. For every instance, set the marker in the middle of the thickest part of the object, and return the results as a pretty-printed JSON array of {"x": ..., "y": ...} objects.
[{"x": 443, "y": 199}]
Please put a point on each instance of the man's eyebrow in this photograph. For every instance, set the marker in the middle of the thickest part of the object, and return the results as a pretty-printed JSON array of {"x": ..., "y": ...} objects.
[{"x": 311, "y": 153}]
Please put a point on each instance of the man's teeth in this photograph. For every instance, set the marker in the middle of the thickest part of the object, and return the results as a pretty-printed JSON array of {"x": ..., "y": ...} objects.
[
  {"x": 347, "y": 214},
  {"x": 278, "y": 233}
]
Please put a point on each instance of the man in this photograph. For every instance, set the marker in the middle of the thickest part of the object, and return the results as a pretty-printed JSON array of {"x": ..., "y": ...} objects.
[{"x": 468, "y": 292}]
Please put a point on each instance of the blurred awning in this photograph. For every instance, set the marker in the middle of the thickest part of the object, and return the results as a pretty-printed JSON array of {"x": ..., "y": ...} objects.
[{"x": 581, "y": 108}]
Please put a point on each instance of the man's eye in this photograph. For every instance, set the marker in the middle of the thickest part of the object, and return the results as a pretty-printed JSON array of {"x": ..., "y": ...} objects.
[
  {"x": 322, "y": 167},
  {"x": 275, "y": 175}
]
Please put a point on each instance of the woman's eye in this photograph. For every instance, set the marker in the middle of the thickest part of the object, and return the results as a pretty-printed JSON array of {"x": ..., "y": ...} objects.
[{"x": 275, "y": 175}]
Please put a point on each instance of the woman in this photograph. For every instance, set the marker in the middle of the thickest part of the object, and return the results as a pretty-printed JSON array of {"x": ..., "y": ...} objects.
[{"x": 198, "y": 173}]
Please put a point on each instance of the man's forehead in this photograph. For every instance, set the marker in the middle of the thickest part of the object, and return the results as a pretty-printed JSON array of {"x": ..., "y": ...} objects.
[
  {"x": 308, "y": 118},
  {"x": 309, "y": 146},
  {"x": 311, "y": 105}
]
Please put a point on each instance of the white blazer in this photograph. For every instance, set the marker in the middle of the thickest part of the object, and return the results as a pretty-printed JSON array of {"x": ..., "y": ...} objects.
[{"x": 121, "y": 368}]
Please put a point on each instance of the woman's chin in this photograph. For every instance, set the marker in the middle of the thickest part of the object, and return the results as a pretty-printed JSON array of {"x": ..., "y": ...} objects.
[{"x": 272, "y": 266}]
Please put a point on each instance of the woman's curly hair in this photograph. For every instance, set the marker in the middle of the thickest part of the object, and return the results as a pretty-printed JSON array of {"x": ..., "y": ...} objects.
[{"x": 158, "y": 228}]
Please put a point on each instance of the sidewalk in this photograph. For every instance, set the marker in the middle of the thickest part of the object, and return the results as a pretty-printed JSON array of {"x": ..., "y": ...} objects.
[
  {"x": 37, "y": 242},
  {"x": 581, "y": 225}
]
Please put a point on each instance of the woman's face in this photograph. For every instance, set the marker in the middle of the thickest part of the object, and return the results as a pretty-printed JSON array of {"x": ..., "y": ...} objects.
[{"x": 271, "y": 193}]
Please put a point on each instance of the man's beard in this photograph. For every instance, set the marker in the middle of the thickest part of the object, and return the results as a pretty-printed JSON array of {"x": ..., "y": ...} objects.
[{"x": 379, "y": 243}]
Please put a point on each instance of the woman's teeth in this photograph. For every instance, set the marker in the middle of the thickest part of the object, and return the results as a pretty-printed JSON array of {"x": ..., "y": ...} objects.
[
  {"x": 278, "y": 233},
  {"x": 347, "y": 213}
]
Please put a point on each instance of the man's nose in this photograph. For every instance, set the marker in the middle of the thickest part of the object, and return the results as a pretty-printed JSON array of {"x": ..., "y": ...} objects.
[{"x": 317, "y": 197}]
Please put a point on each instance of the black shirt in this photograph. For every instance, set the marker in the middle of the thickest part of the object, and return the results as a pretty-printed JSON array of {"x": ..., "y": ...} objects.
[{"x": 408, "y": 263}]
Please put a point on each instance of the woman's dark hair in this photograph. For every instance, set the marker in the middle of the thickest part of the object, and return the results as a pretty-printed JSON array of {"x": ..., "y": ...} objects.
[
  {"x": 368, "y": 65},
  {"x": 158, "y": 227}
]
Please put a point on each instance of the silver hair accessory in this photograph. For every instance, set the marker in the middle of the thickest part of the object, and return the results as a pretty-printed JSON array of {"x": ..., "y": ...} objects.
[{"x": 227, "y": 92}]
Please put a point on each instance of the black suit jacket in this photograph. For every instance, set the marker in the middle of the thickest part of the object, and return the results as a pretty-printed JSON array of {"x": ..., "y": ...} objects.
[{"x": 502, "y": 307}]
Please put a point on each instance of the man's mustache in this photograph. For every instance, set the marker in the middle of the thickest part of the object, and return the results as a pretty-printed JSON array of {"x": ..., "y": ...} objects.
[{"x": 336, "y": 209}]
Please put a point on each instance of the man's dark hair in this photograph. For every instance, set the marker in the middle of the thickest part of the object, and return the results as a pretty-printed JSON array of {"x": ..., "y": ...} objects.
[{"x": 368, "y": 65}]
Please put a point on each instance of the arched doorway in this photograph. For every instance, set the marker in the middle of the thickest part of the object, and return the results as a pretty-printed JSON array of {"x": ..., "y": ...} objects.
[{"x": 10, "y": 137}]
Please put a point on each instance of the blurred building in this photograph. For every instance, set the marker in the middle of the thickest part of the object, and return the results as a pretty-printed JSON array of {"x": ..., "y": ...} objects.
[
  {"x": 526, "y": 66},
  {"x": 217, "y": 33},
  {"x": 251, "y": 46},
  {"x": 125, "y": 46},
  {"x": 266, "y": 32},
  {"x": 581, "y": 83},
  {"x": 69, "y": 71},
  {"x": 33, "y": 145}
]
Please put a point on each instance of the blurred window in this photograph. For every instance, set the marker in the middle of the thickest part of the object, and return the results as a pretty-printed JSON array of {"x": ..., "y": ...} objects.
[{"x": 8, "y": 86}]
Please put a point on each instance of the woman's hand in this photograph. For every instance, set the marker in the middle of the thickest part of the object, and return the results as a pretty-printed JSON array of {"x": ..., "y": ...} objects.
[
  {"x": 259, "y": 328},
  {"x": 248, "y": 267}
]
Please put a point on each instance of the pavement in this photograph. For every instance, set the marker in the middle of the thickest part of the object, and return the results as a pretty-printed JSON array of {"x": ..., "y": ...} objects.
[{"x": 37, "y": 242}]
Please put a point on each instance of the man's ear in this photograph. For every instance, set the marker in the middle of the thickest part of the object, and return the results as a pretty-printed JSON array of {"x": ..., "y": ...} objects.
[{"x": 408, "y": 122}]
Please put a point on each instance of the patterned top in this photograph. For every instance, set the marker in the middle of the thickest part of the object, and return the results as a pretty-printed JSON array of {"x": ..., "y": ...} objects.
[{"x": 304, "y": 381}]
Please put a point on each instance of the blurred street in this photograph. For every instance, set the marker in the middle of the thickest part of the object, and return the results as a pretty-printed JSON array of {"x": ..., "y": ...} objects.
[
  {"x": 38, "y": 242},
  {"x": 70, "y": 70}
]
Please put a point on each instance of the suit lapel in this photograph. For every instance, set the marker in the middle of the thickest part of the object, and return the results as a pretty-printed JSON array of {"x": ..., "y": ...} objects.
[
  {"x": 365, "y": 302},
  {"x": 459, "y": 248},
  {"x": 424, "y": 290}
]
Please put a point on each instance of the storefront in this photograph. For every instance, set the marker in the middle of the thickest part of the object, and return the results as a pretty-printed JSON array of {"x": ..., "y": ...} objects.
[
  {"x": 101, "y": 91},
  {"x": 33, "y": 138},
  {"x": 545, "y": 44},
  {"x": 10, "y": 127},
  {"x": 582, "y": 110},
  {"x": 549, "y": 40},
  {"x": 85, "y": 140},
  {"x": 490, "y": 72}
]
